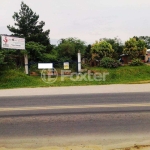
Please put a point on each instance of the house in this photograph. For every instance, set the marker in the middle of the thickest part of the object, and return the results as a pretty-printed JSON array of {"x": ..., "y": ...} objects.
[{"x": 125, "y": 58}]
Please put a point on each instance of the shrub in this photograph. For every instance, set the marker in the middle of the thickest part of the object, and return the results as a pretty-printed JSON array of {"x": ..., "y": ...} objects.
[
  {"x": 136, "y": 62},
  {"x": 108, "y": 62}
]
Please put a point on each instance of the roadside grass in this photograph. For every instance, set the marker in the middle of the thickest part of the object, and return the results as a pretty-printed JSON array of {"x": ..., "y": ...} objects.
[{"x": 121, "y": 75}]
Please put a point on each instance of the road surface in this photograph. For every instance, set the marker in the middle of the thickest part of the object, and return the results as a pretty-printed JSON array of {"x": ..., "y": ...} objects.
[{"x": 93, "y": 119}]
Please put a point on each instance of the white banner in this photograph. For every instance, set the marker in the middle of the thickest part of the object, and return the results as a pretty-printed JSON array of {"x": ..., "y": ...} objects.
[{"x": 12, "y": 42}]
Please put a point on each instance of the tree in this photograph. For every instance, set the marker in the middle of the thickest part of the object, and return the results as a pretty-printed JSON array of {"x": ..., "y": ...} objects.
[
  {"x": 146, "y": 39},
  {"x": 28, "y": 26},
  {"x": 88, "y": 54},
  {"x": 117, "y": 46},
  {"x": 35, "y": 51},
  {"x": 135, "y": 48},
  {"x": 102, "y": 49},
  {"x": 68, "y": 48}
]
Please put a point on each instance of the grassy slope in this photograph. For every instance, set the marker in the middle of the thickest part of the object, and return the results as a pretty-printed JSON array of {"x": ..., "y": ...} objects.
[{"x": 122, "y": 75}]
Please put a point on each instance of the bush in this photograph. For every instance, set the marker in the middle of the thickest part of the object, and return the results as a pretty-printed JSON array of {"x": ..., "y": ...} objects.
[
  {"x": 136, "y": 62},
  {"x": 108, "y": 62}
]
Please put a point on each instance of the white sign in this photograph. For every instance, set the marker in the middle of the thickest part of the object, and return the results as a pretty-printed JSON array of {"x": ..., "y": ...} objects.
[
  {"x": 45, "y": 65},
  {"x": 12, "y": 42}
]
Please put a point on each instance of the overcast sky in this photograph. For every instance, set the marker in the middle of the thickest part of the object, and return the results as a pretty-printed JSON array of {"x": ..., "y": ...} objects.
[{"x": 88, "y": 20}]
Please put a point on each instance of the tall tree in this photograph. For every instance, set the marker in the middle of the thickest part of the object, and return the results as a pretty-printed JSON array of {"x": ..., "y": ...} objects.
[{"x": 28, "y": 26}]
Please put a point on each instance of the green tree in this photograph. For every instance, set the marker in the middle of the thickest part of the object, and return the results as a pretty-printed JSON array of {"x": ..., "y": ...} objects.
[
  {"x": 68, "y": 48},
  {"x": 35, "y": 51},
  {"x": 88, "y": 54},
  {"x": 135, "y": 48},
  {"x": 28, "y": 26},
  {"x": 117, "y": 46},
  {"x": 102, "y": 49},
  {"x": 146, "y": 39}
]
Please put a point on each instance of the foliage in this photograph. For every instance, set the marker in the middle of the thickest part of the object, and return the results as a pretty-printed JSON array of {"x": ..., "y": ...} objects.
[
  {"x": 2, "y": 56},
  {"x": 28, "y": 26},
  {"x": 135, "y": 48},
  {"x": 122, "y": 75},
  {"x": 35, "y": 51},
  {"x": 117, "y": 46},
  {"x": 136, "y": 62},
  {"x": 88, "y": 54},
  {"x": 108, "y": 62},
  {"x": 50, "y": 57},
  {"x": 146, "y": 39},
  {"x": 102, "y": 48},
  {"x": 68, "y": 48}
]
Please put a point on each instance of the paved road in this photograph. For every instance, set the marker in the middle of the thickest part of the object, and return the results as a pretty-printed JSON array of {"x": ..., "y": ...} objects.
[
  {"x": 66, "y": 104},
  {"x": 116, "y": 88},
  {"x": 97, "y": 116}
]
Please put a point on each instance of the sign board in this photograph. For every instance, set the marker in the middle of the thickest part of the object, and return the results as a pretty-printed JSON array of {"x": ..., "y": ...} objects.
[
  {"x": 45, "y": 65},
  {"x": 12, "y": 42},
  {"x": 66, "y": 65}
]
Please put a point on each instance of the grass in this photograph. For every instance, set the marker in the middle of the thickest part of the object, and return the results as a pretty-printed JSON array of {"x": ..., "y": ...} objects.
[{"x": 122, "y": 75}]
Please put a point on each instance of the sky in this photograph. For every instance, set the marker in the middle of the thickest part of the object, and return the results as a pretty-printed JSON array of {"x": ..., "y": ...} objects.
[{"x": 87, "y": 20}]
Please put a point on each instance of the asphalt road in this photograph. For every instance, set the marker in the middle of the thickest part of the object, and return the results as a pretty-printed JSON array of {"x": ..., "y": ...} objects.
[{"x": 96, "y": 116}]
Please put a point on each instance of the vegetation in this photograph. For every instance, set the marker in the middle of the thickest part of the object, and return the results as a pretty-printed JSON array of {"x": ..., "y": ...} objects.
[
  {"x": 26, "y": 25},
  {"x": 121, "y": 75},
  {"x": 68, "y": 48},
  {"x": 108, "y": 62},
  {"x": 136, "y": 62},
  {"x": 1, "y": 58},
  {"x": 146, "y": 39},
  {"x": 106, "y": 51},
  {"x": 117, "y": 46},
  {"x": 135, "y": 48},
  {"x": 35, "y": 51},
  {"x": 102, "y": 49}
]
